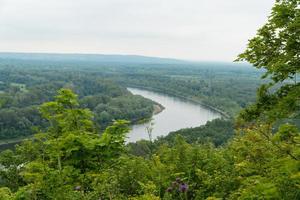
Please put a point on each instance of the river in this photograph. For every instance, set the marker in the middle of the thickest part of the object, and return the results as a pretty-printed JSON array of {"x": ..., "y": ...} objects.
[{"x": 178, "y": 114}]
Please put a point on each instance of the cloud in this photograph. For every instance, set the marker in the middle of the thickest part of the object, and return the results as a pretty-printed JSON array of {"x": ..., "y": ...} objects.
[{"x": 195, "y": 29}]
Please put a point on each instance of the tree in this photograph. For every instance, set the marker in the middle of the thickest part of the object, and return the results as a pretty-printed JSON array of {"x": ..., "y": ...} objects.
[
  {"x": 268, "y": 150},
  {"x": 276, "y": 48},
  {"x": 63, "y": 158}
]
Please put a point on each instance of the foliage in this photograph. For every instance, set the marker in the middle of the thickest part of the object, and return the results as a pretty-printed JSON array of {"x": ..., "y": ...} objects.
[
  {"x": 19, "y": 115},
  {"x": 66, "y": 155},
  {"x": 217, "y": 131},
  {"x": 276, "y": 45},
  {"x": 276, "y": 48},
  {"x": 70, "y": 160}
]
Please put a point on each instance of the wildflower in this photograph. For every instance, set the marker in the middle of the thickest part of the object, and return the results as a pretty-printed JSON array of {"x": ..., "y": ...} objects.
[
  {"x": 169, "y": 189},
  {"x": 183, "y": 187},
  {"x": 174, "y": 184},
  {"x": 77, "y": 188}
]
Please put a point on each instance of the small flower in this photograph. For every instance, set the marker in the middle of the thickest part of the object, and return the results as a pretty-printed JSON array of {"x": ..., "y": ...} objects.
[
  {"x": 174, "y": 184},
  {"x": 178, "y": 180},
  {"x": 169, "y": 189},
  {"x": 183, "y": 187},
  {"x": 77, "y": 188}
]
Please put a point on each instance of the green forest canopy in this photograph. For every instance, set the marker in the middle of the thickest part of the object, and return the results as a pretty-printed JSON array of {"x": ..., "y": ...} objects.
[{"x": 19, "y": 102}]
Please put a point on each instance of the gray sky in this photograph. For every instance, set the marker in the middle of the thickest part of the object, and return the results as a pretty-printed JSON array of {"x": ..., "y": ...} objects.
[{"x": 189, "y": 29}]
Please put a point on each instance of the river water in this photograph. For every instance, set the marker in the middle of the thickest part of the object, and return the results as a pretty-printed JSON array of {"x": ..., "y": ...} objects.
[{"x": 178, "y": 114}]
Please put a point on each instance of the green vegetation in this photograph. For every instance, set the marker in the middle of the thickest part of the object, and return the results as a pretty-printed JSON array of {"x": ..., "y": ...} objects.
[
  {"x": 19, "y": 102},
  {"x": 218, "y": 132},
  {"x": 276, "y": 49},
  {"x": 226, "y": 90},
  {"x": 101, "y": 87},
  {"x": 225, "y": 86},
  {"x": 71, "y": 159}
]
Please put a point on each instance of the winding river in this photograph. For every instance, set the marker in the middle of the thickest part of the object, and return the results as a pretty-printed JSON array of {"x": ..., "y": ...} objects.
[{"x": 178, "y": 114}]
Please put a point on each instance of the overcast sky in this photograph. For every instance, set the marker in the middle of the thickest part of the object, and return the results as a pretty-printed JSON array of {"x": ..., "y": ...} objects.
[{"x": 215, "y": 30}]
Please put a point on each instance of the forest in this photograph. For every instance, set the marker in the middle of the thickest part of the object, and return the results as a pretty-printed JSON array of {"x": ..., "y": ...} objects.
[
  {"x": 27, "y": 83},
  {"x": 228, "y": 87},
  {"x": 80, "y": 114},
  {"x": 23, "y": 90}
]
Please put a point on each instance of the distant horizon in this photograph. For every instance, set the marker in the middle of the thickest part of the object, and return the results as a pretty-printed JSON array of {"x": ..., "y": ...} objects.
[{"x": 118, "y": 54}]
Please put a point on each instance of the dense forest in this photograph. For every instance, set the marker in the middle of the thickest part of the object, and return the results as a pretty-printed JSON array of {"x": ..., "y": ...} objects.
[
  {"x": 27, "y": 82},
  {"x": 225, "y": 86},
  {"x": 254, "y": 153},
  {"x": 23, "y": 90}
]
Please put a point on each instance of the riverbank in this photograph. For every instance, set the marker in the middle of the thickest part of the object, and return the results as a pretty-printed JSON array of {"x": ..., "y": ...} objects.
[
  {"x": 157, "y": 108},
  {"x": 223, "y": 113},
  {"x": 10, "y": 143}
]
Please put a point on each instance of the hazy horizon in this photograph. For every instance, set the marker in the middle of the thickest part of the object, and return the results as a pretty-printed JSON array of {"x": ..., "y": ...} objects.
[{"x": 193, "y": 30}]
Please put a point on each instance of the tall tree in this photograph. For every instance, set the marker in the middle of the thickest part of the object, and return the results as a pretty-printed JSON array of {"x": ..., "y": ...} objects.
[
  {"x": 276, "y": 48},
  {"x": 63, "y": 158}
]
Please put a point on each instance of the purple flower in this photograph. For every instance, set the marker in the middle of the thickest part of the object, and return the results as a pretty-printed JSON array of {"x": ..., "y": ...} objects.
[{"x": 183, "y": 187}]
